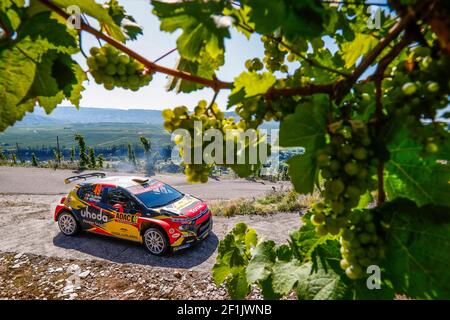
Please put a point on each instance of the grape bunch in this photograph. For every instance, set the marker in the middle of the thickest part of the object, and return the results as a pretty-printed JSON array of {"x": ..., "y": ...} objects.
[
  {"x": 361, "y": 243},
  {"x": 112, "y": 68},
  {"x": 419, "y": 88},
  {"x": 210, "y": 117},
  {"x": 347, "y": 165},
  {"x": 274, "y": 55},
  {"x": 254, "y": 64}
]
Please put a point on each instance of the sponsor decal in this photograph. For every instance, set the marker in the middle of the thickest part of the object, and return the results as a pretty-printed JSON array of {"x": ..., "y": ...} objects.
[
  {"x": 196, "y": 208},
  {"x": 94, "y": 215},
  {"x": 154, "y": 185},
  {"x": 125, "y": 217}
]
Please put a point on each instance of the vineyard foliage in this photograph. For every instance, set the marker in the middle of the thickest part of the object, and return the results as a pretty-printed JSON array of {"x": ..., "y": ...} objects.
[{"x": 365, "y": 94}]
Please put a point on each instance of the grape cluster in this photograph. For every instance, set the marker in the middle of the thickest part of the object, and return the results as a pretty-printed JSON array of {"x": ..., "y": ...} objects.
[
  {"x": 347, "y": 166},
  {"x": 254, "y": 111},
  {"x": 254, "y": 64},
  {"x": 210, "y": 117},
  {"x": 112, "y": 68},
  {"x": 419, "y": 88},
  {"x": 361, "y": 243},
  {"x": 274, "y": 55}
]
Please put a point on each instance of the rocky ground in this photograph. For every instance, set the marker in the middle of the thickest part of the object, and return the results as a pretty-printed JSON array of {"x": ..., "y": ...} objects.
[{"x": 28, "y": 276}]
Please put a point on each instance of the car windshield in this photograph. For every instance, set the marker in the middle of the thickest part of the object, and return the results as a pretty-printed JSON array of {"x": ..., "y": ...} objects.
[{"x": 155, "y": 194}]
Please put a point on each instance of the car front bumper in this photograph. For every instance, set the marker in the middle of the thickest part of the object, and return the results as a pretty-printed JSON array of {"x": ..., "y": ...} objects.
[{"x": 203, "y": 232}]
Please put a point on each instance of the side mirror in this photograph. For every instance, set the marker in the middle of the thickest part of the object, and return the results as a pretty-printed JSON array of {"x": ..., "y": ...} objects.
[{"x": 118, "y": 207}]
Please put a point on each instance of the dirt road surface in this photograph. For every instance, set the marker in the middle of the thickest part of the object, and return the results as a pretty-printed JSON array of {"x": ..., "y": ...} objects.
[
  {"x": 28, "y": 197},
  {"x": 38, "y": 181}
]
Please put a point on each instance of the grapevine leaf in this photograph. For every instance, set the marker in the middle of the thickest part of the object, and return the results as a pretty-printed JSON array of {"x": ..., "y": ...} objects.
[
  {"x": 306, "y": 240},
  {"x": 200, "y": 25},
  {"x": 260, "y": 266},
  {"x": 287, "y": 274},
  {"x": 97, "y": 11},
  {"x": 417, "y": 249},
  {"x": 44, "y": 83},
  {"x": 295, "y": 18},
  {"x": 241, "y": 19},
  {"x": 232, "y": 259},
  {"x": 16, "y": 77},
  {"x": 251, "y": 238},
  {"x": 253, "y": 83},
  {"x": 220, "y": 272},
  {"x": 352, "y": 51},
  {"x": 237, "y": 286},
  {"x": 267, "y": 289},
  {"x": 409, "y": 174},
  {"x": 121, "y": 18},
  {"x": 305, "y": 128},
  {"x": 201, "y": 69},
  {"x": 322, "y": 278},
  {"x": 52, "y": 34}
]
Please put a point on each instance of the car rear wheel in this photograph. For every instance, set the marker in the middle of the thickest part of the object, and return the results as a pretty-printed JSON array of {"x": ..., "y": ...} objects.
[
  {"x": 156, "y": 241},
  {"x": 67, "y": 224}
]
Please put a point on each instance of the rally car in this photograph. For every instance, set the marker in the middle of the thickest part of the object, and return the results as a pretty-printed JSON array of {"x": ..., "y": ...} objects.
[{"x": 144, "y": 210}]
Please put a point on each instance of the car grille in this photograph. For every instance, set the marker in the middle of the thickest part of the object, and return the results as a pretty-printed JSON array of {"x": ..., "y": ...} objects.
[
  {"x": 203, "y": 227},
  {"x": 201, "y": 214}
]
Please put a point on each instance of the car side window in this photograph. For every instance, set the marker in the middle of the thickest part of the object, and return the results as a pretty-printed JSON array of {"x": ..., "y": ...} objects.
[
  {"x": 118, "y": 196},
  {"x": 89, "y": 193}
]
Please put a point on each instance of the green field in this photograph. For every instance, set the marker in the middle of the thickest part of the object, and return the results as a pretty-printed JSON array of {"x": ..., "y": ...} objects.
[{"x": 96, "y": 135}]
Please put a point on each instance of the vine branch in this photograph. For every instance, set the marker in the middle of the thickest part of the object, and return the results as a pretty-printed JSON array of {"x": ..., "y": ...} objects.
[
  {"x": 378, "y": 77},
  {"x": 344, "y": 86},
  {"x": 153, "y": 67},
  {"x": 5, "y": 29}
]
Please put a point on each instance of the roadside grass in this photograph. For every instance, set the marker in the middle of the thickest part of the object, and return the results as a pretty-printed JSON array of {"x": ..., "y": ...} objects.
[{"x": 271, "y": 203}]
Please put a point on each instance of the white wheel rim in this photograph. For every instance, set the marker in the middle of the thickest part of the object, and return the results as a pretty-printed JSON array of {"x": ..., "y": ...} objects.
[
  {"x": 67, "y": 224},
  {"x": 154, "y": 241}
]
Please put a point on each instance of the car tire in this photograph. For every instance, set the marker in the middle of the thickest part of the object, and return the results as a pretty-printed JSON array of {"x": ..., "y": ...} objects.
[
  {"x": 155, "y": 240},
  {"x": 68, "y": 224}
]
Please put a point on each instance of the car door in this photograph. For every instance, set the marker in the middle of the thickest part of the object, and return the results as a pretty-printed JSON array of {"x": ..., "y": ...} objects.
[
  {"x": 89, "y": 210},
  {"x": 126, "y": 213}
]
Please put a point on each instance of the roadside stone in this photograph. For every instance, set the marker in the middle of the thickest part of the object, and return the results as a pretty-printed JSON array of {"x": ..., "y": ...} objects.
[{"x": 131, "y": 291}]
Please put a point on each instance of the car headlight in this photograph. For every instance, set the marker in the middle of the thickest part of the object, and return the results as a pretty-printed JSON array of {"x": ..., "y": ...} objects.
[{"x": 183, "y": 227}]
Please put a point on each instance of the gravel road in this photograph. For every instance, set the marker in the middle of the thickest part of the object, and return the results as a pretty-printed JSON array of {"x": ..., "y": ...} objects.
[
  {"x": 27, "y": 204},
  {"x": 38, "y": 181}
]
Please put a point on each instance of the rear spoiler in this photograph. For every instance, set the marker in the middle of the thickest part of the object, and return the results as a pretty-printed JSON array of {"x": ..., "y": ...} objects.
[{"x": 84, "y": 177}]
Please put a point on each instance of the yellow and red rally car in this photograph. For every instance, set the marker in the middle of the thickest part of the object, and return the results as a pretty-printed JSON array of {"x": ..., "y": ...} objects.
[{"x": 133, "y": 208}]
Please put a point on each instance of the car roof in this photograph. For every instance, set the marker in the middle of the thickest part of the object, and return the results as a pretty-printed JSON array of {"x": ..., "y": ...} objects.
[{"x": 119, "y": 181}]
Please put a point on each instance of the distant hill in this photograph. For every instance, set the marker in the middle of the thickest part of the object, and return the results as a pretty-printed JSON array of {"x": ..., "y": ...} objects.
[
  {"x": 62, "y": 115},
  {"x": 72, "y": 115}
]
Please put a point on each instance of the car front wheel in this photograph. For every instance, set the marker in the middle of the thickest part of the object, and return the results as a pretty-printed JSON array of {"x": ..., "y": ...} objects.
[
  {"x": 67, "y": 224},
  {"x": 156, "y": 241}
]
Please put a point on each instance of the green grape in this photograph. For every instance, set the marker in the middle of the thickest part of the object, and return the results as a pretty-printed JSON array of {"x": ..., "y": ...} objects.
[
  {"x": 431, "y": 148},
  {"x": 124, "y": 59},
  {"x": 344, "y": 264},
  {"x": 432, "y": 86},
  {"x": 337, "y": 187},
  {"x": 94, "y": 51},
  {"x": 110, "y": 69},
  {"x": 409, "y": 88},
  {"x": 360, "y": 153},
  {"x": 351, "y": 168},
  {"x": 121, "y": 69},
  {"x": 101, "y": 60},
  {"x": 321, "y": 230},
  {"x": 354, "y": 272},
  {"x": 317, "y": 218}
]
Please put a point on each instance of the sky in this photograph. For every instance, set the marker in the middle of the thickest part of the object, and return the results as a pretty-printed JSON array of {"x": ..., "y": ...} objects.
[{"x": 153, "y": 44}]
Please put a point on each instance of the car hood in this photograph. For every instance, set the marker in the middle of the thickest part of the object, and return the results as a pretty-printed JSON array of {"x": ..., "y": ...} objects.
[{"x": 188, "y": 206}]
